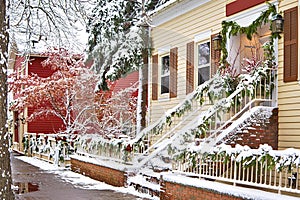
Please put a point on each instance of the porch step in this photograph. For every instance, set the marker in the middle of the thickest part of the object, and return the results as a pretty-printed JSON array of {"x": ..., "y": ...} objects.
[{"x": 146, "y": 182}]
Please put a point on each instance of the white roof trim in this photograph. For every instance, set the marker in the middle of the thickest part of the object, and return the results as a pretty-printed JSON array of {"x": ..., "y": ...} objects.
[
  {"x": 176, "y": 10},
  {"x": 202, "y": 36}
]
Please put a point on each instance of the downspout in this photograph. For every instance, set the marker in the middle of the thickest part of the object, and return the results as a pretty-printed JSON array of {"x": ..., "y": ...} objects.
[
  {"x": 25, "y": 112},
  {"x": 148, "y": 113},
  {"x": 139, "y": 102},
  {"x": 275, "y": 92}
]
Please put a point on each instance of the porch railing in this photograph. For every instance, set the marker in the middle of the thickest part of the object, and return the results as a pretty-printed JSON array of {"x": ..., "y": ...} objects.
[
  {"x": 222, "y": 118},
  {"x": 252, "y": 91},
  {"x": 277, "y": 170},
  {"x": 98, "y": 147},
  {"x": 54, "y": 148},
  {"x": 148, "y": 138}
]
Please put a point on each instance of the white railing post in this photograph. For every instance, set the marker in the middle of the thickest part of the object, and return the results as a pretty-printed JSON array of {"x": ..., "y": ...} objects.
[
  {"x": 235, "y": 173},
  {"x": 279, "y": 183}
]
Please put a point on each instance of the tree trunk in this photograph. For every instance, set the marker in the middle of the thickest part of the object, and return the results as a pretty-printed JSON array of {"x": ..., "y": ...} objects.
[{"x": 5, "y": 170}]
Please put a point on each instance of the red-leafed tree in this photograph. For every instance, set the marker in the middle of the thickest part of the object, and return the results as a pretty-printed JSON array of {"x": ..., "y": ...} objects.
[
  {"x": 69, "y": 93},
  {"x": 117, "y": 112},
  {"x": 53, "y": 95}
]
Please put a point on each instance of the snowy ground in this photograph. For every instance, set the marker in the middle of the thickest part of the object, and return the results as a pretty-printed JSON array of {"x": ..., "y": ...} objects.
[
  {"x": 79, "y": 180},
  {"x": 83, "y": 182}
]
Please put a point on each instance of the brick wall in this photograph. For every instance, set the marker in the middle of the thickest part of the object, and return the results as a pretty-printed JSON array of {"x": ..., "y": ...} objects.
[
  {"x": 258, "y": 133},
  {"x": 105, "y": 174},
  {"x": 174, "y": 191}
]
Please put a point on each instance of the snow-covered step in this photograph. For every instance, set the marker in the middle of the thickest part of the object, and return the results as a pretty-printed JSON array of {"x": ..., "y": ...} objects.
[{"x": 147, "y": 182}]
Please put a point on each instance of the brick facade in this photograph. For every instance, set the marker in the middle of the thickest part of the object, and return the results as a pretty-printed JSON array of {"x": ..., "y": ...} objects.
[
  {"x": 105, "y": 174},
  {"x": 258, "y": 133},
  {"x": 175, "y": 191}
]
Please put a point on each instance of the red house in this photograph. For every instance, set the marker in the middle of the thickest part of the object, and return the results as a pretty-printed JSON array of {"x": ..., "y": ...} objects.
[{"x": 48, "y": 124}]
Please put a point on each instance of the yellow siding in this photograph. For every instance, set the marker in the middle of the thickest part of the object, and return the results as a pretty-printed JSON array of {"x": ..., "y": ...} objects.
[
  {"x": 287, "y": 113},
  {"x": 181, "y": 30},
  {"x": 177, "y": 33},
  {"x": 288, "y": 99}
]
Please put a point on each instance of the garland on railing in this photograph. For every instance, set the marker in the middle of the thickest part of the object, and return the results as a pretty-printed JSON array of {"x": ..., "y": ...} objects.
[
  {"x": 273, "y": 159},
  {"x": 186, "y": 106},
  {"x": 42, "y": 145},
  {"x": 246, "y": 81},
  {"x": 95, "y": 144}
]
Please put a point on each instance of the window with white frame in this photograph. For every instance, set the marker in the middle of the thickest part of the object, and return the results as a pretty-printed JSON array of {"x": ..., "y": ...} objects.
[
  {"x": 203, "y": 57},
  {"x": 165, "y": 74}
]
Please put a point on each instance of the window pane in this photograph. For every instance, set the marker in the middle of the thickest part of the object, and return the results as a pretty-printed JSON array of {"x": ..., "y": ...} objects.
[
  {"x": 203, "y": 74},
  {"x": 165, "y": 65},
  {"x": 204, "y": 53},
  {"x": 164, "y": 84}
]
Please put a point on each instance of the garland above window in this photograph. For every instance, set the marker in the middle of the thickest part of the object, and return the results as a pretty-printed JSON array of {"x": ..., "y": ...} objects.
[{"x": 231, "y": 28}]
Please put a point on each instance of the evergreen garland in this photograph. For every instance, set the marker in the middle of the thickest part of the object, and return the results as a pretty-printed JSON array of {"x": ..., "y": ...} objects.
[{"x": 232, "y": 29}]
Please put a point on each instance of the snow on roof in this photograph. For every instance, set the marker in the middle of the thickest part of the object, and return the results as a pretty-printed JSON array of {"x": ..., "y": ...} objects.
[{"x": 163, "y": 6}]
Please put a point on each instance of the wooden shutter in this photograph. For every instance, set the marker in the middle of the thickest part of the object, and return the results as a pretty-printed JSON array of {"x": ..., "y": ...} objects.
[
  {"x": 215, "y": 57},
  {"x": 173, "y": 72},
  {"x": 290, "y": 70},
  {"x": 190, "y": 67},
  {"x": 155, "y": 77}
]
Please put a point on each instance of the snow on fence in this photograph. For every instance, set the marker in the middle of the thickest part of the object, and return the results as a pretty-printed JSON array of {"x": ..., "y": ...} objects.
[
  {"x": 57, "y": 148},
  {"x": 263, "y": 167},
  {"x": 94, "y": 145},
  {"x": 54, "y": 148}
]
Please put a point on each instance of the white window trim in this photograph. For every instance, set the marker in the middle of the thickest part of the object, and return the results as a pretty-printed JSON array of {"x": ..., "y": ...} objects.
[
  {"x": 245, "y": 18},
  {"x": 205, "y": 35},
  {"x": 162, "y": 52},
  {"x": 204, "y": 40}
]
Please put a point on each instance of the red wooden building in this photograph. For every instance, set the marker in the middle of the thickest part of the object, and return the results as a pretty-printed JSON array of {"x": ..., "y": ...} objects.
[{"x": 47, "y": 124}]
